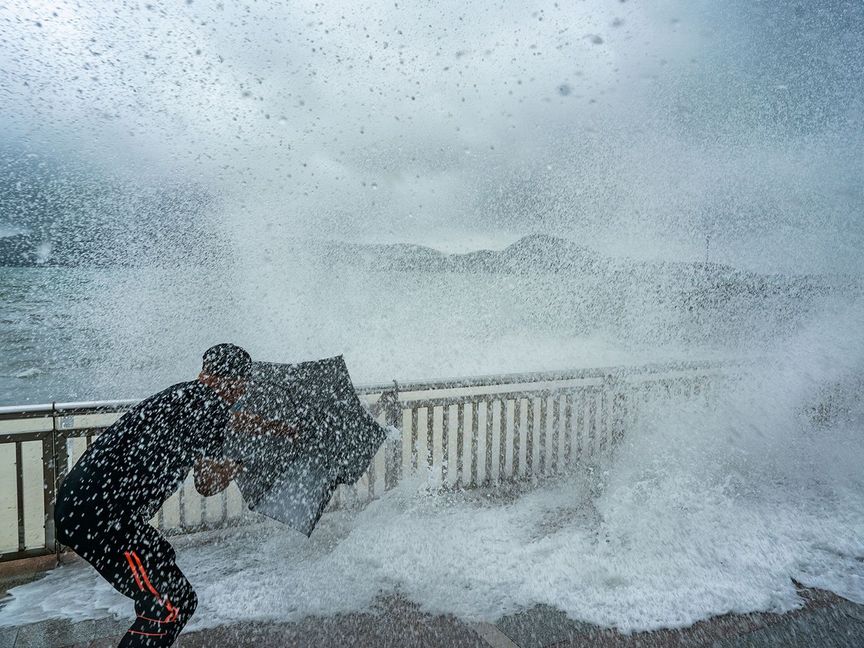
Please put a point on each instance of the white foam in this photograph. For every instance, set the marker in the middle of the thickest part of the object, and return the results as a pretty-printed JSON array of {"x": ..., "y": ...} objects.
[
  {"x": 705, "y": 511},
  {"x": 709, "y": 507},
  {"x": 30, "y": 372}
]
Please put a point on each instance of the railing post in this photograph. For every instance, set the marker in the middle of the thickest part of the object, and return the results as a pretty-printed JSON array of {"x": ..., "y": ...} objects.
[
  {"x": 567, "y": 428},
  {"x": 430, "y": 438},
  {"x": 615, "y": 404},
  {"x": 445, "y": 444},
  {"x": 529, "y": 439},
  {"x": 487, "y": 466},
  {"x": 393, "y": 458},
  {"x": 555, "y": 441},
  {"x": 19, "y": 495},
  {"x": 502, "y": 440},
  {"x": 475, "y": 444},
  {"x": 460, "y": 444},
  {"x": 517, "y": 437},
  {"x": 56, "y": 452},
  {"x": 49, "y": 487}
]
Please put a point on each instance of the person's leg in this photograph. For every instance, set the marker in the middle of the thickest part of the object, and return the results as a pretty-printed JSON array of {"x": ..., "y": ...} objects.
[
  {"x": 142, "y": 566},
  {"x": 165, "y": 600}
]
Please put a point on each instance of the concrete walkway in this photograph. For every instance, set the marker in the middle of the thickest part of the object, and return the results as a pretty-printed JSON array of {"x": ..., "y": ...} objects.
[{"x": 825, "y": 621}]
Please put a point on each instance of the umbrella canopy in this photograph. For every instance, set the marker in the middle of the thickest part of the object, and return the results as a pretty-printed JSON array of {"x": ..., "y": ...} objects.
[{"x": 293, "y": 479}]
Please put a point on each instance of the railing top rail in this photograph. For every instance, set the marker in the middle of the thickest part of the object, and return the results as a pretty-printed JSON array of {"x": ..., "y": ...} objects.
[
  {"x": 617, "y": 372},
  {"x": 6, "y": 410},
  {"x": 11, "y": 411},
  {"x": 90, "y": 405}
]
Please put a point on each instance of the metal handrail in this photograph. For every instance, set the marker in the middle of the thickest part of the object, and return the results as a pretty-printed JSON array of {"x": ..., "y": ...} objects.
[
  {"x": 16, "y": 410},
  {"x": 461, "y": 431},
  {"x": 490, "y": 380},
  {"x": 485, "y": 380},
  {"x": 102, "y": 405}
]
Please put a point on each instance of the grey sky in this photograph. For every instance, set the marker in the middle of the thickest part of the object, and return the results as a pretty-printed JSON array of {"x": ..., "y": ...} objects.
[{"x": 639, "y": 128}]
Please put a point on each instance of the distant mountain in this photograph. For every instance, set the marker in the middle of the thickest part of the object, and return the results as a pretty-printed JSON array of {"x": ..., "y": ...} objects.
[
  {"x": 530, "y": 254},
  {"x": 690, "y": 285}
]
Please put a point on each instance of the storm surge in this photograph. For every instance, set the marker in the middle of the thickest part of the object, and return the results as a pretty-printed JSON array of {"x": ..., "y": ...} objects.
[
  {"x": 447, "y": 191},
  {"x": 706, "y": 508}
]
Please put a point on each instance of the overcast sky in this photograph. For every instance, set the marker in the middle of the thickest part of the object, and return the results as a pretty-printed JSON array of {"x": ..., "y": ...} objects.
[{"x": 635, "y": 127}]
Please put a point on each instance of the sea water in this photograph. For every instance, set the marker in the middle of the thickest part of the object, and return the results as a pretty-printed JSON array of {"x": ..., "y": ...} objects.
[
  {"x": 706, "y": 508},
  {"x": 115, "y": 333}
]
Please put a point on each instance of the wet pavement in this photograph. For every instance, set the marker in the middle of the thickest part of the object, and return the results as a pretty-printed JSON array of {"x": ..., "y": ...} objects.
[{"x": 826, "y": 620}]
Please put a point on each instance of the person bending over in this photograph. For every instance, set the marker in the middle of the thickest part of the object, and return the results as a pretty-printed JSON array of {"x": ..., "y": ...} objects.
[{"x": 106, "y": 501}]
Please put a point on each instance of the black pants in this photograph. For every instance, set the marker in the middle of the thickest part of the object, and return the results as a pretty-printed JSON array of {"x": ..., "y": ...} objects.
[{"x": 139, "y": 563}]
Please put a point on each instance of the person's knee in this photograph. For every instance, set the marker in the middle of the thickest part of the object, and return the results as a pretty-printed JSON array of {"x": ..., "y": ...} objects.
[{"x": 186, "y": 605}]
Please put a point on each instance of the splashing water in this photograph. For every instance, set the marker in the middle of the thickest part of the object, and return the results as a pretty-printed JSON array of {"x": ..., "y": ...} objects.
[
  {"x": 707, "y": 509},
  {"x": 178, "y": 176}
]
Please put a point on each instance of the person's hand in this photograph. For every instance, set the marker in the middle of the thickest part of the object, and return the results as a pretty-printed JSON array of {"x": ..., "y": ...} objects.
[{"x": 213, "y": 475}]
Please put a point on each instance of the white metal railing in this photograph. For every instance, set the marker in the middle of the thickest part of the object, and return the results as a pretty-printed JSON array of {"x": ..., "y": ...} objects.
[{"x": 459, "y": 433}]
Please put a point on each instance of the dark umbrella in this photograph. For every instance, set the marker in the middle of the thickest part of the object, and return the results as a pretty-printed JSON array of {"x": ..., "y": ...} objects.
[{"x": 292, "y": 479}]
